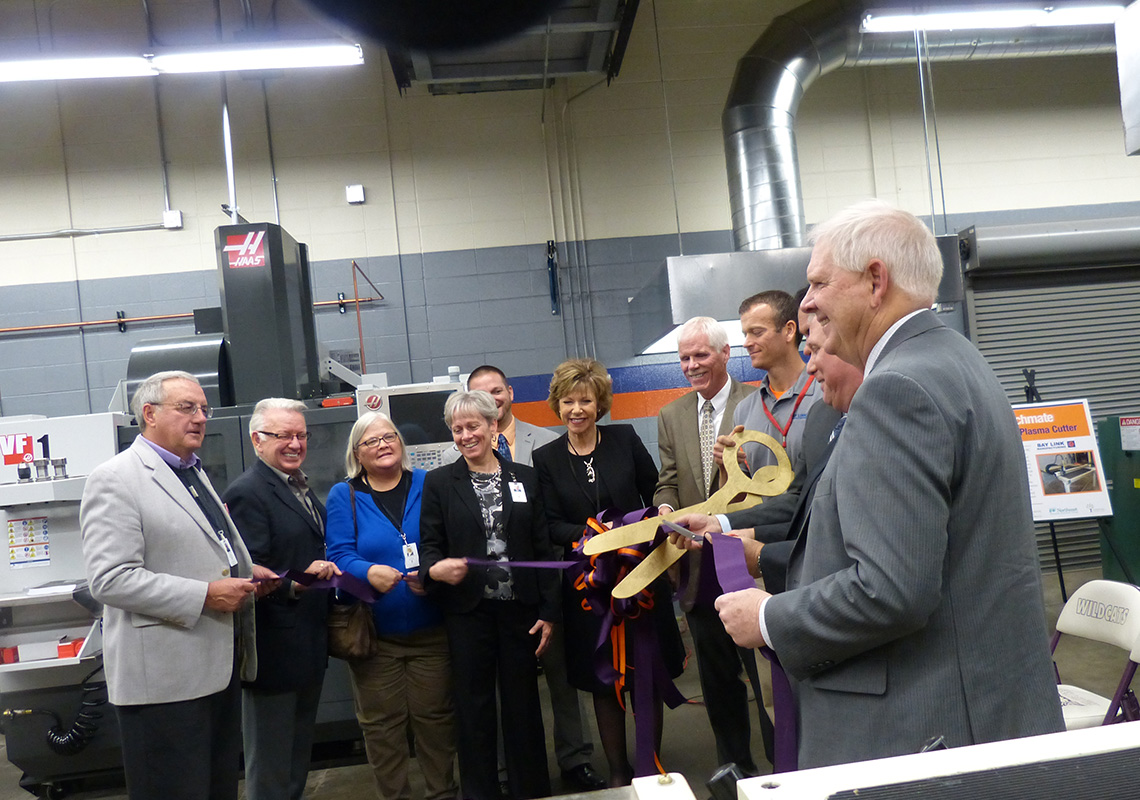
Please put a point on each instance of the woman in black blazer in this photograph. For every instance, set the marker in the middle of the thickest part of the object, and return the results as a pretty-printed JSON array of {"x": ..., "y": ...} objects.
[
  {"x": 498, "y": 618},
  {"x": 589, "y": 469}
]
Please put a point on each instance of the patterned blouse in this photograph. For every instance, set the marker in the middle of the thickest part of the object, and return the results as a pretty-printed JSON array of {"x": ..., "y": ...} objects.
[{"x": 489, "y": 491}]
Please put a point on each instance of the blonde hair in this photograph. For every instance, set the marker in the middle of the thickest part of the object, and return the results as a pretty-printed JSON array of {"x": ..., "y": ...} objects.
[{"x": 583, "y": 373}]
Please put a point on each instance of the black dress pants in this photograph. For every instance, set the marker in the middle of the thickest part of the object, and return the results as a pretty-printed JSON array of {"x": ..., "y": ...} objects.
[
  {"x": 186, "y": 750},
  {"x": 490, "y": 644}
]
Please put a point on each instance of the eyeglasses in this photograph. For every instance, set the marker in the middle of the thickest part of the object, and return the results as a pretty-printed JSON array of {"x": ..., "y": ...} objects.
[
  {"x": 388, "y": 438},
  {"x": 287, "y": 437},
  {"x": 189, "y": 409}
]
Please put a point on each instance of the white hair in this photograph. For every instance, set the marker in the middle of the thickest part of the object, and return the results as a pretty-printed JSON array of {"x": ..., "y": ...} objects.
[
  {"x": 257, "y": 419},
  {"x": 152, "y": 391},
  {"x": 712, "y": 330},
  {"x": 873, "y": 230}
]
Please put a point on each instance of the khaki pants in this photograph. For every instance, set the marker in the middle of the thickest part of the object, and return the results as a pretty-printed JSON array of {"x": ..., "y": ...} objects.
[{"x": 409, "y": 678}]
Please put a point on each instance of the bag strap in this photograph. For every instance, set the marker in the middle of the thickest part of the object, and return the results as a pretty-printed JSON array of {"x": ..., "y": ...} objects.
[{"x": 352, "y": 503}]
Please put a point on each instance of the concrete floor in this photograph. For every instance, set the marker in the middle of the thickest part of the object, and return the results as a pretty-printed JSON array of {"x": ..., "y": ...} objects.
[{"x": 688, "y": 743}]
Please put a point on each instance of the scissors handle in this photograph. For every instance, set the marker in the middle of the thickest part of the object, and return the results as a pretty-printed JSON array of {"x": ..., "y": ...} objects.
[{"x": 767, "y": 482}]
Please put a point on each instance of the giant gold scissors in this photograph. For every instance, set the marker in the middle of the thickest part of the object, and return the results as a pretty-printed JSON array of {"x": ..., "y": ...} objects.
[{"x": 739, "y": 492}]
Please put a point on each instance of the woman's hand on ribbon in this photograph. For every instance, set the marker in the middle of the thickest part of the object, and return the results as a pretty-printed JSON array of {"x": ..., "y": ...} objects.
[
  {"x": 413, "y": 581},
  {"x": 449, "y": 570},
  {"x": 324, "y": 570},
  {"x": 740, "y": 613},
  {"x": 544, "y": 628},
  {"x": 383, "y": 578}
]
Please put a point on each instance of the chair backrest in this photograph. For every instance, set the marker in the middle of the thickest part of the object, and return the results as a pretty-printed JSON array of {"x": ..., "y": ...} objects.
[{"x": 1104, "y": 611}]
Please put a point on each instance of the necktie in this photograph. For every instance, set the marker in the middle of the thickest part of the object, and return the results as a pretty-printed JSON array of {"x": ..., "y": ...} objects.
[
  {"x": 301, "y": 484},
  {"x": 708, "y": 439},
  {"x": 503, "y": 448},
  {"x": 838, "y": 429}
]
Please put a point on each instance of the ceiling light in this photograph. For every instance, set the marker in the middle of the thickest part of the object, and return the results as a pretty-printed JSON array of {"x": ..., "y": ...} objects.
[
  {"x": 1014, "y": 16},
  {"x": 56, "y": 69},
  {"x": 278, "y": 55},
  {"x": 297, "y": 55}
]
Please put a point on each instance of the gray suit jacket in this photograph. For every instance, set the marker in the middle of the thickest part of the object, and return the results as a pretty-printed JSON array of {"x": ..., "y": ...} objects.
[
  {"x": 914, "y": 604},
  {"x": 528, "y": 438},
  {"x": 679, "y": 445},
  {"x": 149, "y": 552}
]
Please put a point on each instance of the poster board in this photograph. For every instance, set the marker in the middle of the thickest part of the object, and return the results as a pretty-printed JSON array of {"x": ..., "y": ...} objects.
[{"x": 1062, "y": 461}]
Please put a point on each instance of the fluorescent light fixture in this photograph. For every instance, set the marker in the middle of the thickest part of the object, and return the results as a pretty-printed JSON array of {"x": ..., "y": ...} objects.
[
  {"x": 278, "y": 55},
  {"x": 297, "y": 55},
  {"x": 57, "y": 69},
  {"x": 977, "y": 18}
]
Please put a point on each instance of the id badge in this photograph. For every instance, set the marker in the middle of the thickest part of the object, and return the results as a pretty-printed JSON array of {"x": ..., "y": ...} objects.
[
  {"x": 411, "y": 556},
  {"x": 231, "y": 556},
  {"x": 518, "y": 493}
]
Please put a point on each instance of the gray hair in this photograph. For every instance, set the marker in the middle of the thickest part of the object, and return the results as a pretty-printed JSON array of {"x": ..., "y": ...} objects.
[
  {"x": 352, "y": 465},
  {"x": 151, "y": 391},
  {"x": 478, "y": 401},
  {"x": 873, "y": 230},
  {"x": 712, "y": 330},
  {"x": 257, "y": 420}
]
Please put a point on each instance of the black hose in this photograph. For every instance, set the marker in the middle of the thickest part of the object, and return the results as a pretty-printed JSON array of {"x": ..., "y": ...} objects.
[{"x": 86, "y": 724}]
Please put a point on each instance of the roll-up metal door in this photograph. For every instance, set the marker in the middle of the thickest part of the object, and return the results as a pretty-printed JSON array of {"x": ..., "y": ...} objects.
[{"x": 1079, "y": 330}]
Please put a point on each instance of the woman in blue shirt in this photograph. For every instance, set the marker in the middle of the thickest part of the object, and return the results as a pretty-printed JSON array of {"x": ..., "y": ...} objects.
[{"x": 374, "y": 533}]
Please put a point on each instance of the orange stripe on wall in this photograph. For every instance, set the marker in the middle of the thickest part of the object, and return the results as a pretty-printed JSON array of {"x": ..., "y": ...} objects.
[{"x": 631, "y": 405}]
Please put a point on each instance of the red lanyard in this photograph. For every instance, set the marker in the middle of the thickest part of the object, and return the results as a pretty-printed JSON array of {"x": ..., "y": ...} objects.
[{"x": 783, "y": 429}]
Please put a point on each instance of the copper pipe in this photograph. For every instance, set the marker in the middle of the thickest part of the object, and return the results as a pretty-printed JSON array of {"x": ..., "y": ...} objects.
[
  {"x": 56, "y": 326},
  {"x": 359, "y": 324}
]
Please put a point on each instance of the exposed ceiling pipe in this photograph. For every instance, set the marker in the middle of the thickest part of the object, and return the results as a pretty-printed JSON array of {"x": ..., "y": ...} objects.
[{"x": 807, "y": 43}]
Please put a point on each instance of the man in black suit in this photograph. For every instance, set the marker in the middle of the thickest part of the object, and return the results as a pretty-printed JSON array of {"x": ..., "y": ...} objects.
[{"x": 283, "y": 523}]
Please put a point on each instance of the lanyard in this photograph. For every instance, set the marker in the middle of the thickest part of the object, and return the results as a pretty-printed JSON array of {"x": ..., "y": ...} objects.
[
  {"x": 783, "y": 429},
  {"x": 398, "y": 524}
]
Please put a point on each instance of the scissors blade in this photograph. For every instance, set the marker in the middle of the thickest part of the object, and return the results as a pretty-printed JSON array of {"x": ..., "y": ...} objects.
[{"x": 662, "y": 557}]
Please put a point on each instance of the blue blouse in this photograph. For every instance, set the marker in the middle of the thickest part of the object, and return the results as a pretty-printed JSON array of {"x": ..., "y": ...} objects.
[{"x": 398, "y": 611}]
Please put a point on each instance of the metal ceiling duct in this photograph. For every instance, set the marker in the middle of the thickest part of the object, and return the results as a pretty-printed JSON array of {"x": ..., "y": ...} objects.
[{"x": 807, "y": 43}]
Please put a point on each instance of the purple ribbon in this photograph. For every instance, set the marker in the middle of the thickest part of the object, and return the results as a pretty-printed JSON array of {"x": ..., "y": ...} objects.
[
  {"x": 731, "y": 573},
  {"x": 345, "y": 582},
  {"x": 595, "y": 576},
  {"x": 488, "y": 562}
]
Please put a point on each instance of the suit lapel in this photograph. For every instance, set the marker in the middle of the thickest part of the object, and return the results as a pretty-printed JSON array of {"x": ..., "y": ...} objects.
[
  {"x": 283, "y": 493},
  {"x": 524, "y": 443},
  {"x": 918, "y": 324},
  {"x": 163, "y": 475},
  {"x": 461, "y": 485}
]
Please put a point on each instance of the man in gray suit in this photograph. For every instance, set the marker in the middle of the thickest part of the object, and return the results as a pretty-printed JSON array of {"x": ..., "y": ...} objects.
[
  {"x": 687, "y": 429},
  {"x": 165, "y": 558},
  {"x": 914, "y": 606},
  {"x": 571, "y": 746}
]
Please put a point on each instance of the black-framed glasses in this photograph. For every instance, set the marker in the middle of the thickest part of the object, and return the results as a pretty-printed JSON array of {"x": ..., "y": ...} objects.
[
  {"x": 287, "y": 437},
  {"x": 375, "y": 441},
  {"x": 190, "y": 409}
]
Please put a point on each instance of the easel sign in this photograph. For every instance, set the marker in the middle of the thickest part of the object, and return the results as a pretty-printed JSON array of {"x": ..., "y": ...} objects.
[{"x": 1066, "y": 478}]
